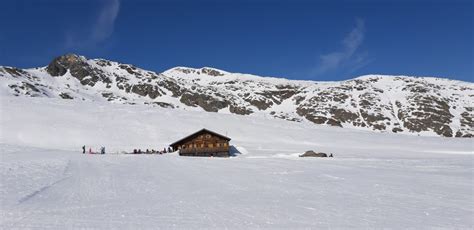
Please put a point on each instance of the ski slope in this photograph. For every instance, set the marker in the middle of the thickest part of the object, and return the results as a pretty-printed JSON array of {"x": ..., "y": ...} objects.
[{"x": 375, "y": 180}]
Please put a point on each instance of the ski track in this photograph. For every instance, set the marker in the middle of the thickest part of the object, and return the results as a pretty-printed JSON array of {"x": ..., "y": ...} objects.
[
  {"x": 28, "y": 197},
  {"x": 33, "y": 194}
]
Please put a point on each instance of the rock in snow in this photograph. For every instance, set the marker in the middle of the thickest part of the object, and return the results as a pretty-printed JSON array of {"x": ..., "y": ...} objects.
[{"x": 311, "y": 153}]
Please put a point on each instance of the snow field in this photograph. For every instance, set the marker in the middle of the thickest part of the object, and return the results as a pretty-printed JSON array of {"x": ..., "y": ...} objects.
[{"x": 375, "y": 180}]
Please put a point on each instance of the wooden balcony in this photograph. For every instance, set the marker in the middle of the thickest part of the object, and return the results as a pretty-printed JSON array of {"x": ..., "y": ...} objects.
[{"x": 205, "y": 150}]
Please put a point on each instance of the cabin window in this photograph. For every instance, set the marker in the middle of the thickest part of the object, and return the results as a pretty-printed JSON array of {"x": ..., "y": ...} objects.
[
  {"x": 195, "y": 145},
  {"x": 184, "y": 146},
  {"x": 190, "y": 146},
  {"x": 208, "y": 136},
  {"x": 210, "y": 145},
  {"x": 218, "y": 145},
  {"x": 202, "y": 145},
  {"x": 225, "y": 144}
]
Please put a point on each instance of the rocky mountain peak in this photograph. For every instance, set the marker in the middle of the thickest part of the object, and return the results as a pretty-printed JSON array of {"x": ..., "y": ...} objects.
[
  {"x": 78, "y": 67},
  {"x": 60, "y": 65}
]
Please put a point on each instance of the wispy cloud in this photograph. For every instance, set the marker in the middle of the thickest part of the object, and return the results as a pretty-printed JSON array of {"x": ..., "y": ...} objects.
[
  {"x": 106, "y": 21},
  {"x": 100, "y": 31},
  {"x": 349, "y": 58}
]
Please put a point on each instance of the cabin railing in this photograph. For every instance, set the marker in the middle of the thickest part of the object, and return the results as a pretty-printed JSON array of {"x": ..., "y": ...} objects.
[{"x": 204, "y": 150}]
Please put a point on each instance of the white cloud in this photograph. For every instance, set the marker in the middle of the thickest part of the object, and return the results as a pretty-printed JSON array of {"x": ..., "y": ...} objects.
[
  {"x": 105, "y": 22},
  {"x": 100, "y": 30},
  {"x": 348, "y": 58}
]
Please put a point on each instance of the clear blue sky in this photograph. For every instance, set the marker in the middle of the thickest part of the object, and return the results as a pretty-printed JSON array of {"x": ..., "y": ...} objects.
[{"x": 316, "y": 40}]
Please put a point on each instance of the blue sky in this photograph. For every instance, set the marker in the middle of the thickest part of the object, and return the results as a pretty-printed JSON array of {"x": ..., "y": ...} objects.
[{"x": 313, "y": 40}]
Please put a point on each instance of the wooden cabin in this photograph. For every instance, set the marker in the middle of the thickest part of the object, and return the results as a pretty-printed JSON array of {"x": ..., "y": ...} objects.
[{"x": 203, "y": 143}]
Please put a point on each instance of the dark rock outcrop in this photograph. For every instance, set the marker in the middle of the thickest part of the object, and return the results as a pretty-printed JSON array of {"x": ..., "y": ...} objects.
[
  {"x": 163, "y": 104},
  {"x": 144, "y": 90},
  {"x": 65, "y": 96},
  {"x": 311, "y": 153},
  {"x": 239, "y": 110},
  {"x": 208, "y": 103},
  {"x": 78, "y": 68},
  {"x": 211, "y": 72},
  {"x": 427, "y": 113},
  {"x": 261, "y": 104},
  {"x": 26, "y": 88},
  {"x": 15, "y": 71}
]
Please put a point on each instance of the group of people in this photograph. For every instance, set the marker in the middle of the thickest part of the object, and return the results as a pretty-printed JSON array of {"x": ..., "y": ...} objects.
[
  {"x": 152, "y": 151},
  {"x": 102, "y": 150},
  {"x": 135, "y": 151}
]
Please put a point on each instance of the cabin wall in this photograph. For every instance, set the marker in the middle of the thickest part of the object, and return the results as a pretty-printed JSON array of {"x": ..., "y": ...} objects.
[
  {"x": 204, "y": 145},
  {"x": 212, "y": 142}
]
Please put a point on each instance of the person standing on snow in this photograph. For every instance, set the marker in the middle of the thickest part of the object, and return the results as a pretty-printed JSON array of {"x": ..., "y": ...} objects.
[{"x": 83, "y": 149}]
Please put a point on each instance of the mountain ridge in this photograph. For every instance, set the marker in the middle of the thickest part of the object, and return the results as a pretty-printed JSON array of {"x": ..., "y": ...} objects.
[{"x": 383, "y": 103}]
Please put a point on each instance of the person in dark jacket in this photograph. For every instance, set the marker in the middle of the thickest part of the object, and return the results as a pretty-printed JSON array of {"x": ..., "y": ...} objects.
[{"x": 83, "y": 149}]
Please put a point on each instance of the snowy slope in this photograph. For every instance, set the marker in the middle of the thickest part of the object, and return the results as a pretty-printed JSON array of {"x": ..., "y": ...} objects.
[
  {"x": 63, "y": 124},
  {"x": 375, "y": 180},
  {"x": 400, "y": 104}
]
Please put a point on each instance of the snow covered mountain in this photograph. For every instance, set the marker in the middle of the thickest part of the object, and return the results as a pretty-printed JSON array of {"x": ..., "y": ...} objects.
[
  {"x": 401, "y": 104},
  {"x": 375, "y": 180}
]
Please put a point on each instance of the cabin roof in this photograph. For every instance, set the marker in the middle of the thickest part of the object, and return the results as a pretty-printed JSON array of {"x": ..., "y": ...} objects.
[{"x": 196, "y": 134}]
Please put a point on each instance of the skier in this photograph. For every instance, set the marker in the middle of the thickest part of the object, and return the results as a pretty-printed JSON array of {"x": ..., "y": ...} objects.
[
  {"x": 83, "y": 149},
  {"x": 134, "y": 151},
  {"x": 330, "y": 155},
  {"x": 102, "y": 150},
  {"x": 164, "y": 150},
  {"x": 90, "y": 150}
]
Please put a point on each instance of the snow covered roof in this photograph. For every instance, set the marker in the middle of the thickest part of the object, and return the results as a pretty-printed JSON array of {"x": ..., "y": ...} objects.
[{"x": 197, "y": 133}]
